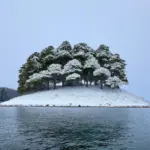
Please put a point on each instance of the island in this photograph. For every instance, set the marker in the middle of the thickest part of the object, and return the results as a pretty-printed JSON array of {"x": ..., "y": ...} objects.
[{"x": 74, "y": 76}]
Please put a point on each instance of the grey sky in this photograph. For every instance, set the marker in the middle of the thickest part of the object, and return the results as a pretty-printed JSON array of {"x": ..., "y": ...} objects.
[{"x": 31, "y": 25}]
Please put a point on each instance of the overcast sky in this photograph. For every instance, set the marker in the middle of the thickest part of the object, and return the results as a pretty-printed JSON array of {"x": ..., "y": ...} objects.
[{"x": 31, "y": 25}]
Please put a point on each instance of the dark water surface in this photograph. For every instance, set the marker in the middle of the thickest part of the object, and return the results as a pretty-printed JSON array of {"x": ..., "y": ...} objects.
[{"x": 74, "y": 128}]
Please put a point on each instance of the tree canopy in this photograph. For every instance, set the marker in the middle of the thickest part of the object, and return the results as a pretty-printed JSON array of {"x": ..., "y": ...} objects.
[{"x": 72, "y": 65}]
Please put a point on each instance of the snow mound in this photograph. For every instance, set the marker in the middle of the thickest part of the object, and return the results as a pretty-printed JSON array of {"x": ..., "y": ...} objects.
[{"x": 75, "y": 96}]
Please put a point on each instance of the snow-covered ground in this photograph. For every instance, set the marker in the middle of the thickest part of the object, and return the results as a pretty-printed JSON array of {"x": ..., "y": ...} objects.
[{"x": 75, "y": 96}]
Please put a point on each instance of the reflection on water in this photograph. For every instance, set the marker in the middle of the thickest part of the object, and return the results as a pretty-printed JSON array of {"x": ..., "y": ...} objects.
[{"x": 73, "y": 128}]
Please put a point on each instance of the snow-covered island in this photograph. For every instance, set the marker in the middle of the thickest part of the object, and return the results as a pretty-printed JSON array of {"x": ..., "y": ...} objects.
[
  {"x": 88, "y": 77},
  {"x": 79, "y": 96}
]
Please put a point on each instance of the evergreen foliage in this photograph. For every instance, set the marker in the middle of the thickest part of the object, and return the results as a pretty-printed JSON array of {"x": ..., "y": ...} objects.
[
  {"x": 71, "y": 65},
  {"x": 90, "y": 65},
  {"x": 55, "y": 73},
  {"x": 102, "y": 74},
  {"x": 47, "y": 57},
  {"x": 63, "y": 53}
]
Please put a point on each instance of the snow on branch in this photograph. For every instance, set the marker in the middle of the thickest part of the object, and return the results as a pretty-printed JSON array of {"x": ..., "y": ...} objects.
[
  {"x": 80, "y": 53},
  {"x": 54, "y": 69},
  {"x": 102, "y": 54},
  {"x": 102, "y": 71},
  {"x": 73, "y": 76},
  {"x": 65, "y": 46},
  {"x": 48, "y": 57},
  {"x": 116, "y": 65},
  {"x": 62, "y": 53},
  {"x": 39, "y": 76},
  {"x": 91, "y": 62},
  {"x": 114, "y": 82},
  {"x": 34, "y": 77},
  {"x": 45, "y": 74},
  {"x": 72, "y": 66},
  {"x": 82, "y": 47}
]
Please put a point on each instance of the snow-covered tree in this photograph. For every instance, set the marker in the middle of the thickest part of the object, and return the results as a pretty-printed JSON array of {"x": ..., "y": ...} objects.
[
  {"x": 48, "y": 50},
  {"x": 34, "y": 82},
  {"x": 90, "y": 65},
  {"x": 82, "y": 47},
  {"x": 63, "y": 56},
  {"x": 63, "y": 53},
  {"x": 47, "y": 57},
  {"x": 113, "y": 82},
  {"x": 34, "y": 77},
  {"x": 65, "y": 46},
  {"x": 54, "y": 72},
  {"x": 38, "y": 80},
  {"x": 23, "y": 76},
  {"x": 77, "y": 63},
  {"x": 73, "y": 66},
  {"x": 102, "y": 74},
  {"x": 103, "y": 54},
  {"x": 45, "y": 77},
  {"x": 117, "y": 67},
  {"x": 33, "y": 64},
  {"x": 81, "y": 52},
  {"x": 73, "y": 78}
]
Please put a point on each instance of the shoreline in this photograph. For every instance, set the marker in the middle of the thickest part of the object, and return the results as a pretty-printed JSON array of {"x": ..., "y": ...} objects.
[
  {"x": 75, "y": 106},
  {"x": 79, "y": 97}
]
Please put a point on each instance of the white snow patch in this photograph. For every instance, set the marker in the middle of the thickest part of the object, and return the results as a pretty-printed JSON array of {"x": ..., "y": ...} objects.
[
  {"x": 72, "y": 76},
  {"x": 75, "y": 96},
  {"x": 72, "y": 66},
  {"x": 101, "y": 71},
  {"x": 91, "y": 62}
]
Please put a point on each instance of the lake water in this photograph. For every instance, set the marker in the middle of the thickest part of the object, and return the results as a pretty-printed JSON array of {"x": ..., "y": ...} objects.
[{"x": 74, "y": 128}]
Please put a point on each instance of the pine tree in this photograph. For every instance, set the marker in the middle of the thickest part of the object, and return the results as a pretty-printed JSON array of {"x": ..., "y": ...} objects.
[
  {"x": 65, "y": 46},
  {"x": 73, "y": 79},
  {"x": 45, "y": 77},
  {"x": 55, "y": 73},
  {"x": 73, "y": 66},
  {"x": 117, "y": 67},
  {"x": 102, "y": 74},
  {"x": 113, "y": 82},
  {"x": 90, "y": 65},
  {"x": 23, "y": 76},
  {"x": 63, "y": 53},
  {"x": 77, "y": 63},
  {"x": 34, "y": 82},
  {"x": 47, "y": 57},
  {"x": 81, "y": 52},
  {"x": 39, "y": 80},
  {"x": 103, "y": 54},
  {"x": 33, "y": 64}
]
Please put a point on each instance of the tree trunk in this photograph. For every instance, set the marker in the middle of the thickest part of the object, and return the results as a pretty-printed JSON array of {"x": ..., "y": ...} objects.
[
  {"x": 84, "y": 82},
  {"x": 95, "y": 82},
  {"x": 87, "y": 81},
  {"x": 101, "y": 84},
  {"x": 48, "y": 84},
  {"x": 63, "y": 83},
  {"x": 90, "y": 83},
  {"x": 54, "y": 83}
]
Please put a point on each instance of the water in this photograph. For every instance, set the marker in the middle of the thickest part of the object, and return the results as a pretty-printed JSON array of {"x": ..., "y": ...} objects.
[{"x": 74, "y": 128}]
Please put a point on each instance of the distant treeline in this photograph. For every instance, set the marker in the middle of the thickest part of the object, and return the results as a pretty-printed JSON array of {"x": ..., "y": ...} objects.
[{"x": 6, "y": 94}]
